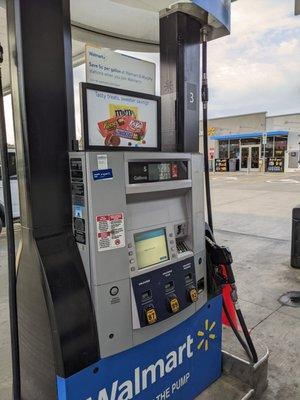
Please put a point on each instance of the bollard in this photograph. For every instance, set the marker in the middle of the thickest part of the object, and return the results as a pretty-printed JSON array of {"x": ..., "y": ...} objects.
[{"x": 295, "y": 249}]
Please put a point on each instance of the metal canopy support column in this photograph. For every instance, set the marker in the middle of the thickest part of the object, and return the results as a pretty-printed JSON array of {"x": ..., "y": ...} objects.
[
  {"x": 180, "y": 81},
  {"x": 57, "y": 327}
]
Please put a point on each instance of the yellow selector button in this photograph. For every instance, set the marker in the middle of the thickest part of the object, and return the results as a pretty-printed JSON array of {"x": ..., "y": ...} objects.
[
  {"x": 193, "y": 295},
  {"x": 174, "y": 305},
  {"x": 151, "y": 316}
]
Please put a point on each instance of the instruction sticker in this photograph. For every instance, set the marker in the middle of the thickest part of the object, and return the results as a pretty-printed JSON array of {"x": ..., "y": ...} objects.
[
  {"x": 102, "y": 161},
  {"x": 110, "y": 231}
]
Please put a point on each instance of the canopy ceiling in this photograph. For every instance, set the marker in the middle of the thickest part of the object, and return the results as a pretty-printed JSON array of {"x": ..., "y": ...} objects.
[{"x": 131, "y": 25}]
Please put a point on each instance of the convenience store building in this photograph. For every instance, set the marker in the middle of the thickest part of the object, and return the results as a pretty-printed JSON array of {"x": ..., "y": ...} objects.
[{"x": 255, "y": 142}]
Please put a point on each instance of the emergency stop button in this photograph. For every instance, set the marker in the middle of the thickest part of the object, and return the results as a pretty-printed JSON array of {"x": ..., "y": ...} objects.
[
  {"x": 151, "y": 315},
  {"x": 174, "y": 304},
  {"x": 193, "y": 294}
]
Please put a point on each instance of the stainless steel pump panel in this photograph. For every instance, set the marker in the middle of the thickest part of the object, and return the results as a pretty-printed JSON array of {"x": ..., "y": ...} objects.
[{"x": 139, "y": 225}]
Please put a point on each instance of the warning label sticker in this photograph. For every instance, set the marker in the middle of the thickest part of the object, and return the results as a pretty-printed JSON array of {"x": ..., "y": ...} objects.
[{"x": 110, "y": 231}]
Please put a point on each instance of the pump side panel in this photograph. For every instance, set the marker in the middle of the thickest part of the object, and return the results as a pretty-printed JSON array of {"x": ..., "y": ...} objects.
[
  {"x": 36, "y": 347},
  {"x": 181, "y": 362}
]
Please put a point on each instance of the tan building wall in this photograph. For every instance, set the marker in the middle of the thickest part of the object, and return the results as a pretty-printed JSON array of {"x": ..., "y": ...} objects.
[
  {"x": 256, "y": 122},
  {"x": 238, "y": 124},
  {"x": 290, "y": 123},
  {"x": 245, "y": 123}
]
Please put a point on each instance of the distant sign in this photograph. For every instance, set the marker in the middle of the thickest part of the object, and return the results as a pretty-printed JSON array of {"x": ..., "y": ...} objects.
[
  {"x": 211, "y": 130},
  {"x": 264, "y": 138},
  {"x": 108, "y": 68}
]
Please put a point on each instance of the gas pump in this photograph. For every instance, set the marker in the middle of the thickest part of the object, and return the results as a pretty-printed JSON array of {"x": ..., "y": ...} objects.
[
  {"x": 152, "y": 231},
  {"x": 112, "y": 294},
  {"x": 138, "y": 220}
]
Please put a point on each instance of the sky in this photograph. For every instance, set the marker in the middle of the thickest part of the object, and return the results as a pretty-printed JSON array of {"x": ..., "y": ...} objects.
[{"x": 255, "y": 68}]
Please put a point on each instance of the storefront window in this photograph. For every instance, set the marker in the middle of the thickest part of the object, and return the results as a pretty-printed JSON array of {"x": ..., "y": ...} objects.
[
  {"x": 223, "y": 149},
  {"x": 269, "y": 147},
  {"x": 234, "y": 148},
  {"x": 250, "y": 141},
  {"x": 280, "y": 146}
]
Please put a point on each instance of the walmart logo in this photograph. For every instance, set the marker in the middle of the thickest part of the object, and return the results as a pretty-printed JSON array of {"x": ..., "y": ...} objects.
[{"x": 207, "y": 335}]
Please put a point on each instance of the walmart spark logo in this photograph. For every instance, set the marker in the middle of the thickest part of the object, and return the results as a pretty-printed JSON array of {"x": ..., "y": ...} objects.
[{"x": 207, "y": 335}]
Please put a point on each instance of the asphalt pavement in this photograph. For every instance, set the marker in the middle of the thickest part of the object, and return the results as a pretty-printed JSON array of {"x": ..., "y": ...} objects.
[{"x": 252, "y": 215}]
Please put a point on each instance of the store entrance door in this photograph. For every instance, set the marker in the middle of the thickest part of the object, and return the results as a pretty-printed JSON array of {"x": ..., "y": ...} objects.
[{"x": 250, "y": 158}]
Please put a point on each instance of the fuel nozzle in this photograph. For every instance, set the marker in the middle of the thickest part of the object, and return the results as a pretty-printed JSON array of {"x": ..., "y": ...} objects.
[{"x": 221, "y": 257}]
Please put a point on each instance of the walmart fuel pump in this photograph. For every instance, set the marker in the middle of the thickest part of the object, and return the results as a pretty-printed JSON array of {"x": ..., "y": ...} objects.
[
  {"x": 112, "y": 284},
  {"x": 151, "y": 231}
]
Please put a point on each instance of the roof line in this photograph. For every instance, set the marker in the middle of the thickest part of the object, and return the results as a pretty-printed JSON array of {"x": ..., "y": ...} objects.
[
  {"x": 239, "y": 115},
  {"x": 283, "y": 115},
  {"x": 249, "y": 135}
]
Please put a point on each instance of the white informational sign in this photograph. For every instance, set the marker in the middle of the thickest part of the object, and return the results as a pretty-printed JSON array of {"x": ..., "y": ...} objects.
[
  {"x": 110, "y": 231},
  {"x": 102, "y": 161},
  {"x": 264, "y": 138},
  {"x": 108, "y": 68},
  {"x": 117, "y": 120}
]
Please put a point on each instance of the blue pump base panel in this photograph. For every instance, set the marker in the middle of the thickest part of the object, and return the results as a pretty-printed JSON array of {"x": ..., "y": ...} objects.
[{"x": 177, "y": 365}]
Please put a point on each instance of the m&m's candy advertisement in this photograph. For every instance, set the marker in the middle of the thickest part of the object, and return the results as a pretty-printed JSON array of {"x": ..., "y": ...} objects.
[{"x": 116, "y": 120}]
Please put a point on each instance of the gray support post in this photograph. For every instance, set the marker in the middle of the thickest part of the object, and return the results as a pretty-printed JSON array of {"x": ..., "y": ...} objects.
[{"x": 180, "y": 81}]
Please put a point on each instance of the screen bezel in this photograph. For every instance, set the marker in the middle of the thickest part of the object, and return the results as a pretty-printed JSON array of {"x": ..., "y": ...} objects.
[
  {"x": 84, "y": 87},
  {"x": 167, "y": 247}
]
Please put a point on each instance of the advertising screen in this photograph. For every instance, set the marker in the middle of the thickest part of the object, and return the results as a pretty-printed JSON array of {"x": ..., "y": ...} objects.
[
  {"x": 151, "y": 247},
  {"x": 118, "y": 119}
]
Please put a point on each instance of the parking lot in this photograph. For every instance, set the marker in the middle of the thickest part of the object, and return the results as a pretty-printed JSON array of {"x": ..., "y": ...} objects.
[{"x": 252, "y": 216}]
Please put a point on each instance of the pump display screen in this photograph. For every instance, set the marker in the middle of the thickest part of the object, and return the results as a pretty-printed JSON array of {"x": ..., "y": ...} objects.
[{"x": 151, "y": 247}]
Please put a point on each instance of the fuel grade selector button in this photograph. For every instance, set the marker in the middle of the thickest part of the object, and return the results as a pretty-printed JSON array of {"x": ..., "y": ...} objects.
[
  {"x": 174, "y": 304},
  {"x": 151, "y": 315},
  {"x": 193, "y": 294}
]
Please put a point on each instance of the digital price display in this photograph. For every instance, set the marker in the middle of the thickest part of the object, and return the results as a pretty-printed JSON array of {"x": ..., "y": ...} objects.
[
  {"x": 140, "y": 172},
  {"x": 160, "y": 172}
]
